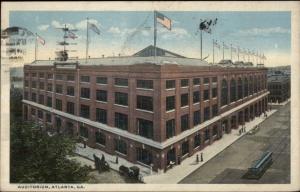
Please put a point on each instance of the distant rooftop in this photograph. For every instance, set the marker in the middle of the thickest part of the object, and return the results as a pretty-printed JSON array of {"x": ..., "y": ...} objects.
[
  {"x": 149, "y": 51},
  {"x": 278, "y": 78}
]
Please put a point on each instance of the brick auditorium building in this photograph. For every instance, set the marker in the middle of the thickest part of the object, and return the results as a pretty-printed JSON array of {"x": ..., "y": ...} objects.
[{"x": 149, "y": 110}]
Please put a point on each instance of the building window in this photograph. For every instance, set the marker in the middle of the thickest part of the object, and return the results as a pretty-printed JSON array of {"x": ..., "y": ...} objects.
[
  {"x": 206, "y": 80},
  {"x": 40, "y": 114},
  {"x": 120, "y": 146},
  {"x": 101, "y": 80},
  {"x": 101, "y": 115},
  {"x": 58, "y": 124},
  {"x": 49, "y": 76},
  {"x": 85, "y": 111},
  {"x": 170, "y": 103},
  {"x": 144, "y": 156},
  {"x": 101, "y": 95},
  {"x": 145, "y": 128},
  {"x": 84, "y": 132},
  {"x": 33, "y": 111},
  {"x": 49, "y": 101},
  {"x": 70, "y": 108},
  {"x": 170, "y": 128},
  {"x": 26, "y": 84},
  {"x": 49, "y": 87},
  {"x": 246, "y": 89},
  {"x": 170, "y": 84},
  {"x": 48, "y": 118},
  {"x": 224, "y": 93},
  {"x": 206, "y": 114},
  {"x": 33, "y": 97},
  {"x": 121, "y": 121},
  {"x": 33, "y": 84},
  {"x": 145, "y": 103},
  {"x": 214, "y": 79},
  {"x": 184, "y": 82},
  {"x": 185, "y": 148},
  {"x": 121, "y": 98},
  {"x": 58, "y": 104},
  {"x": 215, "y": 130},
  {"x": 100, "y": 138},
  {"x": 70, "y": 78},
  {"x": 70, "y": 91},
  {"x": 196, "y": 81},
  {"x": 251, "y": 86},
  {"x": 240, "y": 88},
  {"x": 41, "y": 75},
  {"x": 121, "y": 82},
  {"x": 232, "y": 90},
  {"x": 41, "y": 99},
  {"x": 145, "y": 84},
  {"x": 33, "y": 75},
  {"x": 58, "y": 88},
  {"x": 196, "y": 97},
  {"x": 214, "y": 92},
  {"x": 85, "y": 79},
  {"x": 197, "y": 117},
  {"x": 26, "y": 95},
  {"x": 197, "y": 140},
  {"x": 59, "y": 77},
  {"x": 214, "y": 110},
  {"x": 206, "y": 95},
  {"x": 85, "y": 93},
  {"x": 184, "y": 122},
  {"x": 206, "y": 134},
  {"x": 69, "y": 128},
  {"x": 41, "y": 85},
  {"x": 184, "y": 99}
]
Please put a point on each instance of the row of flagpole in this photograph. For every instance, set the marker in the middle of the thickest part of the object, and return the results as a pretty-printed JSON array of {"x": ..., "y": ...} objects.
[{"x": 260, "y": 57}]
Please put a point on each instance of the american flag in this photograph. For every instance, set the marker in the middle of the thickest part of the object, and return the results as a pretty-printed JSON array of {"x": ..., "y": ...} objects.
[
  {"x": 40, "y": 39},
  {"x": 165, "y": 21}
]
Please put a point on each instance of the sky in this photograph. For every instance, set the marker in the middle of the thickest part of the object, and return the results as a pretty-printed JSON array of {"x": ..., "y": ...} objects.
[{"x": 127, "y": 32}]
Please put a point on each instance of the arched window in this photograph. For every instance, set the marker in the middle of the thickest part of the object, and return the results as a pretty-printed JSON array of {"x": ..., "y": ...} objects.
[
  {"x": 240, "y": 88},
  {"x": 246, "y": 88},
  {"x": 251, "y": 86},
  {"x": 224, "y": 93},
  {"x": 232, "y": 90}
]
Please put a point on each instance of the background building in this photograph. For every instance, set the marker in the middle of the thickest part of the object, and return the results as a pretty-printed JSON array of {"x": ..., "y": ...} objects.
[{"x": 148, "y": 110}]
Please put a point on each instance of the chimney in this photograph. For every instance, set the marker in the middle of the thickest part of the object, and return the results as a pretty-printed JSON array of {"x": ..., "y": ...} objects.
[
  {"x": 119, "y": 54},
  {"x": 102, "y": 56}
]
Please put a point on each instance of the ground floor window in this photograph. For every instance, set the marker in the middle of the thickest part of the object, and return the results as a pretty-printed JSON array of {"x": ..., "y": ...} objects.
[
  {"x": 206, "y": 134},
  {"x": 121, "y": 146},
  {"x": 144, "y": 156},
  {"x": 145, "y": 128},
  {"x": 69, "y": 129},
  {"x": 84, "y": 132},
  {"x": 185, "y": 148},
  {"x": 215, "y": 130},
  {"x": 58, "y": 124},
  {"x": 197, "y": 140},
  {"x": 100, "y": 138}
]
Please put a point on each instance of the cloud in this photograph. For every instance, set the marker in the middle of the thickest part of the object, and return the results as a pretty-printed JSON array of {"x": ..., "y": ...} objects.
[
  {"x": 43, "y": 27},
  {"x": 57, "y": 24},
  {"x": 174, "y": 33},
  {"x": 82, "y": 24},
  {"x": 114, "y": 30},
  {"x": 264, "y": 31}
]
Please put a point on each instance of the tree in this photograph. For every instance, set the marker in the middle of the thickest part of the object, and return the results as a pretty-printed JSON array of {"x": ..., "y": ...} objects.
[{"x": 38, "y": 158}]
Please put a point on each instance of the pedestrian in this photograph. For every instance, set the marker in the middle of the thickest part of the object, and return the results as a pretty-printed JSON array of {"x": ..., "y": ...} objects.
[
  {"x": 201, "y": 157},
  {"x": 117, "y": 160},
  {"x": 197, "y": 158},
  {"x": 84, "y": 144}
]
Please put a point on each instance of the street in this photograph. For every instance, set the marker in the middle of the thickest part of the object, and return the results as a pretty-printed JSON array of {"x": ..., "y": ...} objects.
[{"x": 231, "y": 164}]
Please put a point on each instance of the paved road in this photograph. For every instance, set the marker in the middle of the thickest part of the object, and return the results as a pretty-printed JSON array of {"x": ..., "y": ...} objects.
[{"x": 231, "y": 164}]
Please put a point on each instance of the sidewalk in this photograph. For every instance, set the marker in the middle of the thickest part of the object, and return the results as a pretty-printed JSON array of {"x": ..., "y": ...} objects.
[
  {"x": 189, "y": 165},
  {"x": 177, "y": 173},
  {"x": 281, "y": 104}
]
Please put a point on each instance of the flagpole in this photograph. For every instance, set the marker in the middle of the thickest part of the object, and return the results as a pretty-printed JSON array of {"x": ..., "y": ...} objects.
[
  {"x": 213, "y": 51},
  {"x": 87, "y": 39},
  {"x": 155, "y": 33},
  {"x": 238, "y": 53},
  {"x": 201, "y": 44},
  {"x": 35, "y": 51},
  {"x": 223, "y": 50},
  {"x": 231, "y": 52}
]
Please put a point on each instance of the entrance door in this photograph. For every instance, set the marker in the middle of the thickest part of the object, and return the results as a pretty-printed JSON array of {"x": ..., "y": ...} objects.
[{"x": 171, "y": 156}]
